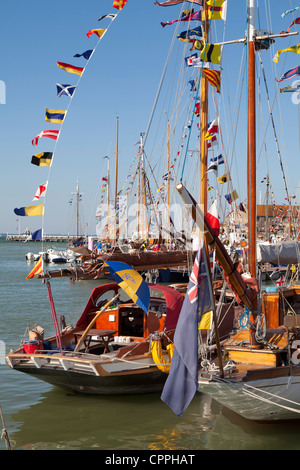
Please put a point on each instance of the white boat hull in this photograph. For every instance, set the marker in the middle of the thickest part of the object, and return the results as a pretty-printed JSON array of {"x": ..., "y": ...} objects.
[{"x": 259, "y": 400}]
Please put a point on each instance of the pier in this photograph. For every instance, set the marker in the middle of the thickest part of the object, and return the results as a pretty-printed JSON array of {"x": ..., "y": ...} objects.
[{"x": 46, "y": 238}]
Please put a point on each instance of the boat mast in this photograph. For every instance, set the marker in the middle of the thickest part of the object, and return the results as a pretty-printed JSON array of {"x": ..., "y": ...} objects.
[
  {"x": 108, "y": 206},
  {"x": 251, "y": 134},
  {"x": 204, "y": 120},
  {"x": 116, "y": 180},
  {"x": 77, "y": 209}
]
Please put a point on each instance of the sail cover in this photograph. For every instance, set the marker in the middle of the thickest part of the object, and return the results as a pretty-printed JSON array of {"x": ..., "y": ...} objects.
[{"x": 279, "y": 252}]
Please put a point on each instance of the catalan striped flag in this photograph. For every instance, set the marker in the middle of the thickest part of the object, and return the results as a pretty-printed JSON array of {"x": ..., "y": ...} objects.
[
  {"x": 53, "y": 134},
  {"x": 119, "y": 4},
  {"x": 38, "y": 268},
  {"x": 70, "y": 68},
  {"x": 56, "y": 116},
  {"x": 214, "y": 78}
]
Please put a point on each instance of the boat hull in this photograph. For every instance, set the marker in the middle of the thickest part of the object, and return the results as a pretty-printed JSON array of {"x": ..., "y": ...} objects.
[
  {"x": 117, "y": 378},
  {"x": 271, "y": 399}
]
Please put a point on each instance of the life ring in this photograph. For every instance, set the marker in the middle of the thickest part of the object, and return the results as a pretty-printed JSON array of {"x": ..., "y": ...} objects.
[{"x": 158, "y": 356}]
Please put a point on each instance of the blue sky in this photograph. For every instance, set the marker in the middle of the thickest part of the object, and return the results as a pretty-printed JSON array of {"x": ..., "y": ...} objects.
[{"x": 121, "y": 79}]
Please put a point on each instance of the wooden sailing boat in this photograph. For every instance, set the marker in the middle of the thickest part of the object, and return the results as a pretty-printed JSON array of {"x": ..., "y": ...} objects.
[{"x": 260, "y": 378}]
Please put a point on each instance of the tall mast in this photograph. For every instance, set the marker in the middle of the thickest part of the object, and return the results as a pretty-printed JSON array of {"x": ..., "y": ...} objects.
[
  {"x": 204, "y": 121},
  {"x": 251, "y": 147},
  {"x": 116, "y": 178},
  {"x": 108, "y": 205},
  {"x": 168, "y": 186},
  {"x": 77, "y": 208}
]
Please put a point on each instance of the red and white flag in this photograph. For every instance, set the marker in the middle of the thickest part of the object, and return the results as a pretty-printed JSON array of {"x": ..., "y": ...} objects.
[
  {"x": 51, "y": 134},
  {"x": 41, "y": 191},
  {"x": 213, "y": 218}
]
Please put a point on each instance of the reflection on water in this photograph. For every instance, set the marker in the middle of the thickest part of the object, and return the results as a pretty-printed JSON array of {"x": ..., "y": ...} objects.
[{"x": 39, "y": 416}]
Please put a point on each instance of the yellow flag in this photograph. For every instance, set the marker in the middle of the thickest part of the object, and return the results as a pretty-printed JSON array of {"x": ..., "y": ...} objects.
[
  {"x": 38, "y": 268},
  {"x": 295, "y": 49}
]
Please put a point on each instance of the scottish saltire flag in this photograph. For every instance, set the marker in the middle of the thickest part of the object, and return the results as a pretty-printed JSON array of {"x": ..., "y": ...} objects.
[
  {"x": 182, "y": 382},
  {"x": 131, "y": 282},
  {"x": 55, "y": 115},
  {"x": 30, "y": 210},
  {"x": 289, "y": 74},
  {"x": 67, "y": 90},
  {"x": 86, "y": 54}
]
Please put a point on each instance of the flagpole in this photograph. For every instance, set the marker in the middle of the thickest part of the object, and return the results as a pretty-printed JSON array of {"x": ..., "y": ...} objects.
[{"x": 204, "y": 121}]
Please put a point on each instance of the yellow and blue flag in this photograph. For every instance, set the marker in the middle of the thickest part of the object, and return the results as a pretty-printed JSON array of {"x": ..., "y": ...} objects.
[
  {"x": 131, "y": 282},
  {"x": 54, "y": 115},
  {"x": 30, "y": 210}
]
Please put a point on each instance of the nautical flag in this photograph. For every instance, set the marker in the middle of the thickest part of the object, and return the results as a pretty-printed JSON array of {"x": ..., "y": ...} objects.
[
  {"x": 30, "y": 210},
  {"x": 213, "y": 218},
  {"x": 213, "y": 128},
  {"x": 38, "y": 268},
  {"x": 209, "y": 52},
  {"x": 70, "y": 68},
  {"x": 231, "y": 196},
  {"x": 182, "y": 381},
  {"x": 289, "y": 11},
  {"x": 196, "y": 16},
  {"x": 224, "y": 178},
  {"x": 119, "y": 4},
  {"x": 219, "y": 159},
  {"x": 217, "y": 9},
  {"x": 194, "y": 85},
  {"x": 189, "y": 60},
  {"x": 212, "y": 167},
  {"x": 296, "y": 21},
  {"x": 110, "y": 15},
  {"x": 295, "y": 49},
  {"x": 65, "y": 90},
  {"x": 51, "y": 134},
  {"x": 214, "y": 78},
  {"x": 41, "y": 191},
  {"x": 42, "y": 159},
  {"x": 176, "y": 2},
  {"x": 105, "y": 178},
  {"x": 212, "y": 141},
  {"x": 131, "y": 282},
  {"x": 55, "y": 116},
  {"x": 37, "y": 235},
  {"x": 289, "y": 74},
  {"x": 186, "y": 36},
  {"x": 87, "y": 54},
  {"x": 98, "y": 32}
]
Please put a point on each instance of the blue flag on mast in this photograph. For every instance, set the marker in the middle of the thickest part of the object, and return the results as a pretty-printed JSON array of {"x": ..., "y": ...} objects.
[{"x": 196, "y": 313}]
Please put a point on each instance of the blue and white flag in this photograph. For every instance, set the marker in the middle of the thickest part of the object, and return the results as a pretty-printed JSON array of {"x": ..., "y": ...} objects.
[
  {"x": 219, "y": 159},
  {"x": 68, "y": 90},
  {"x": 196, "y": 313}
]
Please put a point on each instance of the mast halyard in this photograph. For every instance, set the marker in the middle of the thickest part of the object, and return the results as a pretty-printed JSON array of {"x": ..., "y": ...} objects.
[{"x": 116, "y": 182}]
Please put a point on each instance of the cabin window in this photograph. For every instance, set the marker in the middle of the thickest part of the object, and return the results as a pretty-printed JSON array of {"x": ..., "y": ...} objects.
[
  {"x": 131, "y": 322},
  {"x": 108, "y": 295}
]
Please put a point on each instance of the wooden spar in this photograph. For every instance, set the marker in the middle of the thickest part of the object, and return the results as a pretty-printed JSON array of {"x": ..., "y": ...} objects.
[
  {"x": 252, "y": 140},
  {"x": 221, "y": 254},
  {"x": 116, "y": 181},
  {"x": 85, "y": 333},
  {"x": 204, "y": 121}
]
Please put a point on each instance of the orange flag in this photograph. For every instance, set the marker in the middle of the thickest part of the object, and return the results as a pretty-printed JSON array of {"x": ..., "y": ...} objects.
[{"x": 119, "y": 4}]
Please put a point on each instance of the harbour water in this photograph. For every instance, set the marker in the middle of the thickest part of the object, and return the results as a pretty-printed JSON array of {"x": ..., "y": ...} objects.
[{"x": 41, "y": 417}]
